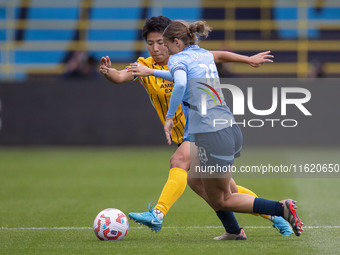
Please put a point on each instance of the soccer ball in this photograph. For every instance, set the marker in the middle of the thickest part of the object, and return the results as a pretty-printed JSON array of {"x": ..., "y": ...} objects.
[{"x": 111, "y": 224}]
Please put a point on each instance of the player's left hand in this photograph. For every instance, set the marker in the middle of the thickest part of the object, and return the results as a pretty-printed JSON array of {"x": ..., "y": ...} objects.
[
  {"x": 105, "y": 61},
  {"x": 168, "y": 125},
  {"x": 105, "y": 65},
  {"x": 140, "y": 70},
  {"x": 103, "y": 69},
  {"x": 260, "y": 58}
]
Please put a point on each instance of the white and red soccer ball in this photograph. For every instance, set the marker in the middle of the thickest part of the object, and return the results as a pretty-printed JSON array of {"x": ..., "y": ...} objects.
[{"x": 111, "y": 224}]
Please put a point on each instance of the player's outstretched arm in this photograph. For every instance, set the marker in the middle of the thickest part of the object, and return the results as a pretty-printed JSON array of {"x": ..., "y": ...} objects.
[
  {"x": 256, "y": 60},
  {"x": 141, "y": 70},
  {"x": 113, "y": 74}
]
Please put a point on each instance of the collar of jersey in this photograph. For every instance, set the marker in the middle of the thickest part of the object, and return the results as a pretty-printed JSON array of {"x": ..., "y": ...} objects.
[
  {"x": 194, "y": 46},
  {"x": 155, "y": 63}
]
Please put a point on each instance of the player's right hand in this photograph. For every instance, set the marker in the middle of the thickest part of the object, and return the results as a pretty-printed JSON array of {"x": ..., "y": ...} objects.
[
  {"x": 105, "y": 61},
  {"x": 104, "y": 69},
  {"x": 105, "y": 65}
]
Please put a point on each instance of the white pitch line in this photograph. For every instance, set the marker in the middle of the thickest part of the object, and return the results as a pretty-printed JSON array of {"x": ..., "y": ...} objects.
[{"x": 189, "y": 227}]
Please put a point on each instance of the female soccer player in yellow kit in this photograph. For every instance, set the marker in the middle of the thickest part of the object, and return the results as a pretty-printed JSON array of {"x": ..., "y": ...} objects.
[{"x": 159, "y": 91}]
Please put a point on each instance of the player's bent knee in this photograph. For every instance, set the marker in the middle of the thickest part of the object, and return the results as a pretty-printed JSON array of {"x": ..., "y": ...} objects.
[{"x": 180, "y": 161}]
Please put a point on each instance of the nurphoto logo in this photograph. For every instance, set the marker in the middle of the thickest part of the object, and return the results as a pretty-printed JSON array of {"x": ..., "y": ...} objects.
[{"x": 302, "y": 96}]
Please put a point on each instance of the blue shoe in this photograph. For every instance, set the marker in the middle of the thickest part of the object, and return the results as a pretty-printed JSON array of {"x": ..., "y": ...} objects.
[
  {"x": 148, "y": 219},
  {"x": 282, "y": 226}
]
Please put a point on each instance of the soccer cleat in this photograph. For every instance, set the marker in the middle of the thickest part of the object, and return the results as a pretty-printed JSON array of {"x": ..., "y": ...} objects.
[
  {"x": 290, "y": 215},
  {"x": 148, "y": 219},
  {"x": 227, "y": 236},
  {"x": 282, "y": 226}
]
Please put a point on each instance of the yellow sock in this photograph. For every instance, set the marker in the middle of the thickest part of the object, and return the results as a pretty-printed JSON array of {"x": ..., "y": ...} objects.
[
  {"x": 249, "y": 192},
  {"x": 172, "y": 190}
]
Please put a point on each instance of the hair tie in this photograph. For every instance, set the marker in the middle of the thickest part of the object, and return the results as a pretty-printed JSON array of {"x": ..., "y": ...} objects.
[{"x": 191, "y": 30}]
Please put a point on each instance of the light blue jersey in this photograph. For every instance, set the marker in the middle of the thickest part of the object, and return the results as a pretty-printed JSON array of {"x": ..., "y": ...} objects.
[{"x": 202, "y": 102}]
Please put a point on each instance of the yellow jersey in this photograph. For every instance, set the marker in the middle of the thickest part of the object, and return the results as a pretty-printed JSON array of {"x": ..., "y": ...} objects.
[{"x": 159, "y": 91}]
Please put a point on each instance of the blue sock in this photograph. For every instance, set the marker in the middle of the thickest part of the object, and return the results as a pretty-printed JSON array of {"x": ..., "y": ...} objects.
[
  {"x": 269, "y": 207},
  {"x": 229, "y": 222}
]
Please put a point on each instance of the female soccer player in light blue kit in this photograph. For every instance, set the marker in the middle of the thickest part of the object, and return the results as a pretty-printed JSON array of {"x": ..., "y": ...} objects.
[{"x": 192, "y": 69}]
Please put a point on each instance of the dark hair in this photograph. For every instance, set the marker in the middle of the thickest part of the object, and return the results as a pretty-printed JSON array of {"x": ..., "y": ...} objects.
[
  {"x": 187, "y": 32},
  {"x": 155, "y": 24}
]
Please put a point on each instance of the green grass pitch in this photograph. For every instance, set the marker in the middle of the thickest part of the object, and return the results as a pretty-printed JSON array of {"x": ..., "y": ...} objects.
[{"x": 50, "y": 196}]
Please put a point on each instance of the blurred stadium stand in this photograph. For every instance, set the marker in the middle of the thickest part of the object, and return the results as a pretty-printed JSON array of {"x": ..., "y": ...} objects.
[{"x": 37, "y": 37}]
